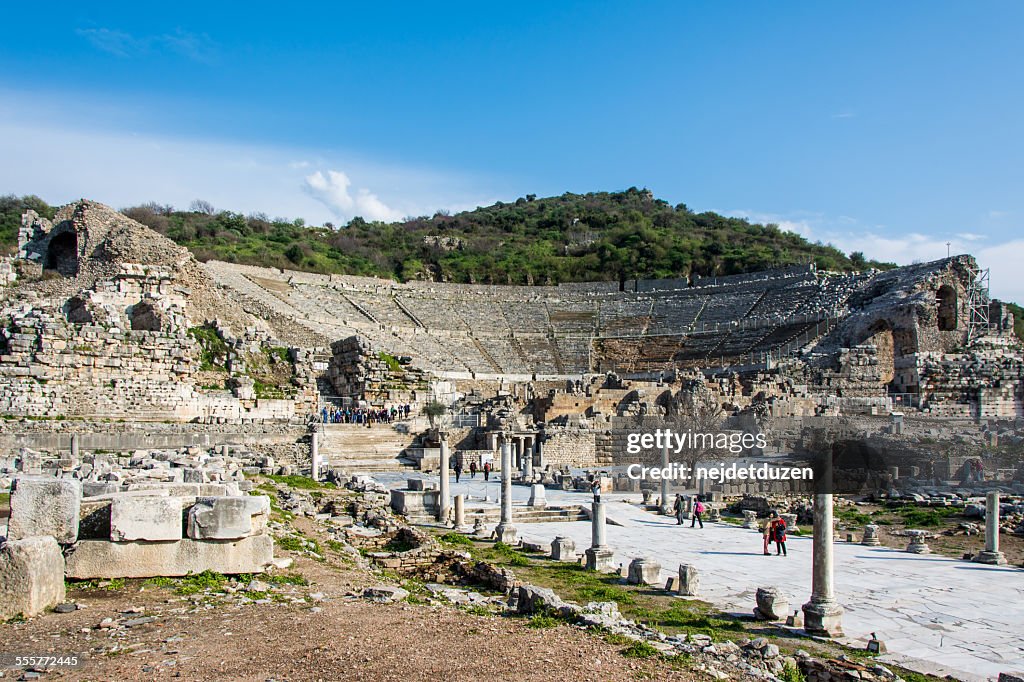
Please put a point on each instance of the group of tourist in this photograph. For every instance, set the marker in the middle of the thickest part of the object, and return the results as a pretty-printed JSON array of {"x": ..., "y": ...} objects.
[
  {"x": 774, "y": 527},
  {"x": 473, "y": 468},
  {"x": 363, "y": 415},
  {"x": 696, "y": 513}
]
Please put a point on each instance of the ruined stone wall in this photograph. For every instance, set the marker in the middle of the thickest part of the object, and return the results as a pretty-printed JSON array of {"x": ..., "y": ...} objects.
[
  {"x": 569, "y": 447},
  {"x": 357, "y": 370},
  {"x": 985, "y": 384},
  {"x": 8, "y": 274},
  {"x": 50, "y": 368}
]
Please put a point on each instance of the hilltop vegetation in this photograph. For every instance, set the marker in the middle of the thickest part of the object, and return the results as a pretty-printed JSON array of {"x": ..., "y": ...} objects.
[
  {"x": 573, "y": 237},
  {"x": 11, "y": 208}
]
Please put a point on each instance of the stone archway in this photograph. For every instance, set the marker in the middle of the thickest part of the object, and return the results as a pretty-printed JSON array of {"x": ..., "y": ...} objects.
[
  {"x": 948, "y": 313},
  {"x": 62, "y": 254}
]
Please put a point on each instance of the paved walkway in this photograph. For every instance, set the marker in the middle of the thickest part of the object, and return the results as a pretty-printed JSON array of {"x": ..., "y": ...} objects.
[{"x": 935, "y": 614}]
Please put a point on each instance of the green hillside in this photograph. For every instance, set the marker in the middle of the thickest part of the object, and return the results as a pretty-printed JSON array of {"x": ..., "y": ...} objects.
[{"x": 573, "y": 237}]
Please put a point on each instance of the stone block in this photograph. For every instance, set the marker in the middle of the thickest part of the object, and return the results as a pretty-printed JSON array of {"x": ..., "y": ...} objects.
[
  {"x": 385, "y": 593},
  {"x": 227, "y": 518},
  {"x": 689, "y": 580},
  {"x": 771, "y": 604},
  {"x": 643, "y": 571},
  {"x": 537, "y": 496},
  {"x": 563, "y": 549},
  {"x": 145, "y": 518},
  {"x": 45, "y": 506},
  {"x": 31, "y": 576},
  {"x": 101, "y": 559},
  {"x": 600, "y": 559}
]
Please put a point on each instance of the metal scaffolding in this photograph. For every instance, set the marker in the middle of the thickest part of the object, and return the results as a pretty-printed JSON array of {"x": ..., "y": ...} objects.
[{"x": 977, "y": 304}]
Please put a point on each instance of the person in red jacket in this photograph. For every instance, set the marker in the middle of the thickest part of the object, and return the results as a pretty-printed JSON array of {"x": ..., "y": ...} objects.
[{"x": 779, "y": 536}]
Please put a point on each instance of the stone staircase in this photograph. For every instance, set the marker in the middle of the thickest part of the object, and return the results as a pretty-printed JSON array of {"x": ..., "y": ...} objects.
[{"x": 357, "y": 449}]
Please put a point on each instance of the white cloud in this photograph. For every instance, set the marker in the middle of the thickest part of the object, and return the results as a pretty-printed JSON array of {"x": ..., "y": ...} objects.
[
  {"x": 878, "y": 242},
  {"x": 799, "y": 224},
  {"x": 332, "y": 190},
  {"x": 845, "y": 114},
  {"x": 62, "y": 159}
]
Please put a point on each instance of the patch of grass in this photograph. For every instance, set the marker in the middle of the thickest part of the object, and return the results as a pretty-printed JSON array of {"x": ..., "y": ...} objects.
[
  {"x": 299, "y": 543},
  {"x": 640, "y": 649},
  {"x": 115, "y": 584},
  {"x": 853, "y": 516},
  {"x": 300, "y": 482},
  {"x": 285, "y": 579},
  {"x": 478, "y": 610},
  {"x": 13, "y": 620},
  {"x": 292, "y": 543},
  {"x": 451, "y": 538},
  {"x": 160, "y": 581},
  {"x": 195, "y": 583},
  {"x": 5, "y": 499},
  {"x": 213, "y": 349},
  {"x": 511, "y": 556},
  {"x": 391, "y": 361},
  {"x": 790, "y": 673},
  {"x": 336, "y": 546},
  {"x": 926, "y": 517},
  {"x": 543, "y": 620}
]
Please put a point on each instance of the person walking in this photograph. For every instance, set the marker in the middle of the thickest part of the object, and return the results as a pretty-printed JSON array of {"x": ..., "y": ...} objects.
[
  {"x": 679, "y": 509},
  {"x": 698, "y": 509},
  {"x": 487, "y": 471},
  {"x": 472, "y": 469},
  {"x": 458, "y": 470},
  {"x": 779, "y": 535}
]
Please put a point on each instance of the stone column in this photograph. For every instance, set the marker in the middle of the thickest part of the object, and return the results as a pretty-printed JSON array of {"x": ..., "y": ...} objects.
[
  {"x": 505, "y": 531},
  {"x": 991, "y": 555},
  {"x": 822, "y": 614},
  {"x": 314, "y": 455},
  {"x": 665, "y": 508},
  {"x": 74, "y": 447},
  {"x": 460, "y": 512},
  {"x": 443, "y": 502},
  {"x": 528, "y": 460},
  {"x": 599, "y": 556}
]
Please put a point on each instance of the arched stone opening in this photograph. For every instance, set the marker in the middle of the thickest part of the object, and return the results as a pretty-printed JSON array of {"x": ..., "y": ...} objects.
[
  {"x": 62, "y": 254},
  {"x": 946, "y": 300}
]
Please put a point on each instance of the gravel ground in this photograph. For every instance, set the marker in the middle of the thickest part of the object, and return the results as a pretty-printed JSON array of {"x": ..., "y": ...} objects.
[{"x": 338, "y": 638}]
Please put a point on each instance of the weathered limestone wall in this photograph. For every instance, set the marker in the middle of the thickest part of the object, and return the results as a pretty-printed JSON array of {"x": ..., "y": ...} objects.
[
  {"x": 569, "y": 447},
  {"x": 50, "y": 368},
  {"x": 357, "y": 370}
]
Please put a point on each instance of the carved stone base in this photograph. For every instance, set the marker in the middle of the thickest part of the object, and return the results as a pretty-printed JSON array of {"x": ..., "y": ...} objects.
[
  {"x": 824, "y": 619},
  {"x": 600, "y": 559},
  {"x": 506, "y": 533},
  {"x": 993, "y": 558}
]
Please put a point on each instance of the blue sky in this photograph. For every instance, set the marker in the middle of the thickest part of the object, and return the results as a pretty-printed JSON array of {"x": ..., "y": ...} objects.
[{"x": 886, "y": 127}]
